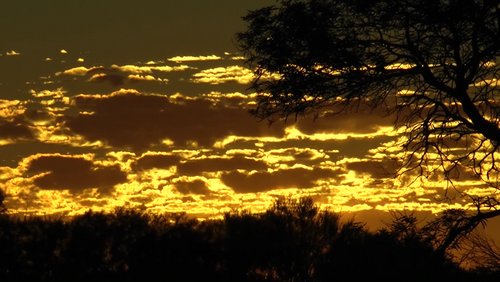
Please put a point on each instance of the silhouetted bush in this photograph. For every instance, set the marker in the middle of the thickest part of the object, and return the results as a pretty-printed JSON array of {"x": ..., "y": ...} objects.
[
  {"x": 2, "y": 199},
  {"x": 292, "y": 241}
]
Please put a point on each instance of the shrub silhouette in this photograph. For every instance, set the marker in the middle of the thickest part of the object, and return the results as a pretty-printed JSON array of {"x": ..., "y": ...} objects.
[
  {"x": 292, "y": 241},
  {"x": 2, "y": 199}
]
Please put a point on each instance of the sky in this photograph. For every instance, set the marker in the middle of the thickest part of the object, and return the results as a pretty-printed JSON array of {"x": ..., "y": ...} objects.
[{"x": 107, "y": 104}]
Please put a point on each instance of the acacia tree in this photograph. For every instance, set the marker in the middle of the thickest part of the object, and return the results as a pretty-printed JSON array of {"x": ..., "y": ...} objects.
[{"x": 431, "y": 63}]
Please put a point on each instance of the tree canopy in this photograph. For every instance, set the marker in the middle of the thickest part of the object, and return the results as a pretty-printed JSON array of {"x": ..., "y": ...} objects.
[{"x": 434, "y": 64}]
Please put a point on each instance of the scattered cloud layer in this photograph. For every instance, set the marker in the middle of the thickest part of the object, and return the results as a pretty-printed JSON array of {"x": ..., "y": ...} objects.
[
  {"x": 119, "y": 75},
  {"x": 191, "y": 145}
]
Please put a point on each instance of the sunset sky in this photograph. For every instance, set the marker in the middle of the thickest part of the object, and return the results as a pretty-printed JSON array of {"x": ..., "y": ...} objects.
[{"x": 145, "y": 104}]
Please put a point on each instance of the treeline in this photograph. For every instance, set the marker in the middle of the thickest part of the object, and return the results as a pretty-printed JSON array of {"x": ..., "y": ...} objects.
[{"x": 292, "y": 241}]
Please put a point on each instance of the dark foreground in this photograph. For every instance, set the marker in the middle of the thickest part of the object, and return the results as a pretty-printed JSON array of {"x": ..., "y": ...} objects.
[{"x": 292, "y": 241}]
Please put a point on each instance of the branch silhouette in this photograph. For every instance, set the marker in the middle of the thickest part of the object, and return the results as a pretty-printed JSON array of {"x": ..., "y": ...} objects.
[{"x": 433, "y": 64}]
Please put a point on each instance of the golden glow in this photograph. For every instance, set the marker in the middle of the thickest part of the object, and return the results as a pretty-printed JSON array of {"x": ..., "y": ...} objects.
[
  {"x": 11, "y": 108},
  {"x": 218, "y": 96},
  {"x": 489, "y": 64},
  {"x": 154, "y": 189},
  {"x": 488, "y": 82},
  {"x": 180, "y": 59},
  {"x": 224, "y": 74},
  {"x": 406, "y": 92},
  {"x": 148, "y": 69},
  {"x": 78, "y": 71},
  {"x": 292, "y": 133},
  {"x": 12, "y": 53},
  {"x": 293, "y": 159},
  {"x": 138, "y": 77},
  {"x": 400, "y": 66}
]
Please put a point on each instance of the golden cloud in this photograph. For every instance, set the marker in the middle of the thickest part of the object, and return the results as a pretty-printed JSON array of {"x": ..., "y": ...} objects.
[
  {"x": 488, "y": 82},
  {"x": 11, "y": 108},
  {"x": 12, "y": 53},
  {"x": 180, "y": 59},
  {"x": 78, "y": 71},
  {"x": 138, "y": 77},
  {"x": 82, "y": 71},
  {"x": 58, "y": 93},
  {"x": 117, "y": 75},
  {"x": 220, "y": 75},
  {"x": 148, "y": 68}
]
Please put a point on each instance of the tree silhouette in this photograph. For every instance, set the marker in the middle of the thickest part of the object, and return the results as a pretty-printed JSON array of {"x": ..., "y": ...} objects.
[
  {"x": 484, "y": 252},
  {"x": 431, "y": 63},
  {"x": 292, "y": 241},
  {"x": 2, "y": 199}
]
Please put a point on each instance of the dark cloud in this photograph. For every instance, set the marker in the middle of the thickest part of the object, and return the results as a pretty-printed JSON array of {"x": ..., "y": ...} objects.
[
  {"x": 15, "y": 130},
  {"x": 192, "y": 187},
  {"x": 304, "y": 155},
  {"x": 301, "y": 155},
  {"x": 385, "y": 168},
  {"x": 264, "y": 181},
  {"x": 457, "y": 172},
  {"x": 448, "y": 144},
  {"x": 454, "y": 143},
  {"x": 196, "y": 167},
  {"x": 155, "y": 161},
  {"x": 352, "y": 147},
  {"x": 12, "y": 154},
  {"x": 92, "y": 203},
  {"x": 37, "y": 115},
  {"x": 362, "y": 121},
  {"x": 126, "y": 119},
  {"x": 73, "y": 173},
  {"x": 113, "y": 79}
]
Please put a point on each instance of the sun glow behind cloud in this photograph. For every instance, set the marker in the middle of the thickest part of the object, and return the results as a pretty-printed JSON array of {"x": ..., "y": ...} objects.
[
  {"x": 244, "y": 165},
  {"x": 173, "y": 134}
]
